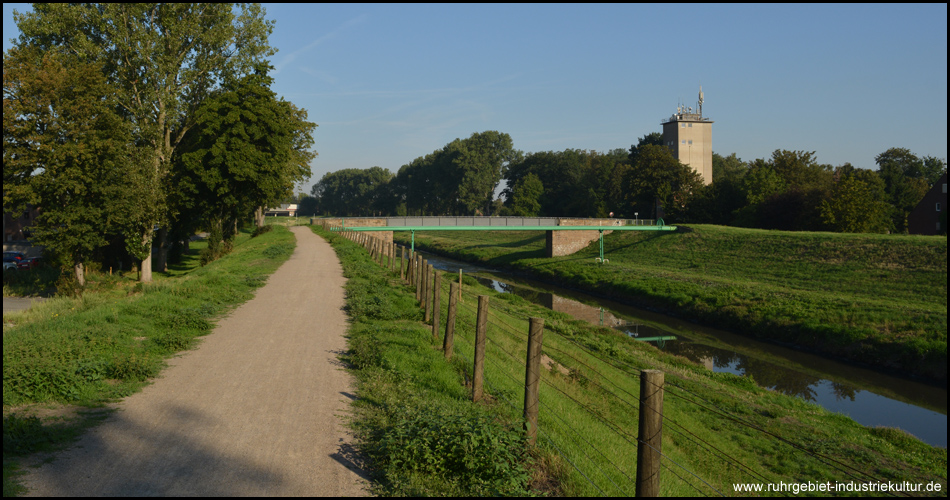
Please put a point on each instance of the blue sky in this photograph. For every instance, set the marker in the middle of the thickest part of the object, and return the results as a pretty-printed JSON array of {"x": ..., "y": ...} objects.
[{"x": 389, "y": 83}]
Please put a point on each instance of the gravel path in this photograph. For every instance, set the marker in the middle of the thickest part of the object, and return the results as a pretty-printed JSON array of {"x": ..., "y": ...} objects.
[{"x": 257, "y": 409}]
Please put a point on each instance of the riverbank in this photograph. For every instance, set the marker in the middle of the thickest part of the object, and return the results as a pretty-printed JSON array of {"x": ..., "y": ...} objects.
[
  {"x": 416, "y": 422},
  {"x": 878, "y": 300}
]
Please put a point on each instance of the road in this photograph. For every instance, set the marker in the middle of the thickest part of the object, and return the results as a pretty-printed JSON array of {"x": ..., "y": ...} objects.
[
  {"x": 256, "y": 410},
  {"x": 14, "y": 304}
]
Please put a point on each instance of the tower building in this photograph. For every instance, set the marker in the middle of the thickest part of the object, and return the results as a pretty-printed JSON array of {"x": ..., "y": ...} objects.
[{"x": 689, "y": 137}]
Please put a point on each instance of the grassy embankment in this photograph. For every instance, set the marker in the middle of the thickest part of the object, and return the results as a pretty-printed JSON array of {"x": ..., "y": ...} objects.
[
  {"x": 423, "y": 436},
  {"x": 874, "y": 299},
  {"x": 65, "y": 358}
]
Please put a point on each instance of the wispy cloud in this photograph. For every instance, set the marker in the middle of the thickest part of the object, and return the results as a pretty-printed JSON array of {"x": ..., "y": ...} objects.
[{"x": 290, "y": 58}]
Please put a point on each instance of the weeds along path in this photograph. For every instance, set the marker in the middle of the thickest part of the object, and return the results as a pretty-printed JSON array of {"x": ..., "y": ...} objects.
[{"x": 254, "y": 410}]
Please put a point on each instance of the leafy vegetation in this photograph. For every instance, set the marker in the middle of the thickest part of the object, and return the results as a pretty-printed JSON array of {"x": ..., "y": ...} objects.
[
  {"x": 412, "y": 405},
  {"x": 412, "y": 418},
  {"x": 877, "y": 299},
  {"x": 790, "y": 190},
  {"x": 133, "y": 125},
  {"x": 106, "y": 344}
]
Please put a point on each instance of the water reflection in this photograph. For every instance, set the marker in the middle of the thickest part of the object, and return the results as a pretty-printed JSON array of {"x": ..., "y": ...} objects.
[{"x": 918, "y": 408}]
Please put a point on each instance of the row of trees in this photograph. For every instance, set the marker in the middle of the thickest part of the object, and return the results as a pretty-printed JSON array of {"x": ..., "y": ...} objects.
[
  {"x": 460, "y": 178},
  {"x": 121, "y": 121},
  {"x": 790, "y": 190}
]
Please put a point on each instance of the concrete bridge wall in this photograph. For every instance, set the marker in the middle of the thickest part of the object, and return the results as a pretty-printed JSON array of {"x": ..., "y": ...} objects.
[{"x": 560, "y": 243}]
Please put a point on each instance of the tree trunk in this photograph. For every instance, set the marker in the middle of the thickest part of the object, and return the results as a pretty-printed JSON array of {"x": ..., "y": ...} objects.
[
  {"x": 80, "y": 273},
  {"x": 259, "y": 216},
  {"x": 161, "y": 255},
  {"x": 145, "y": 273}
]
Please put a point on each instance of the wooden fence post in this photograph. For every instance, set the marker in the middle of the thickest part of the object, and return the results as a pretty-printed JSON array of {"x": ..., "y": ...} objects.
[
  {"x": 532, "y": 378},
  {"x": 436, "y": 301},
  {"x": 392, "y": 257},
  {"x": 402, "y": 262},
  {"x": 649, "y": 439},
  {"x": 449, "y": 340},
  {"x": 415, "y": 277},
  {"x": 481, "y": 325},
  {"x": 427, "y": 292}
]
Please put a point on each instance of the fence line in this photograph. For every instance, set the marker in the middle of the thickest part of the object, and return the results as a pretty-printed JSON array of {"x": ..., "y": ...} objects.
[{"x": 380, "y": 254}]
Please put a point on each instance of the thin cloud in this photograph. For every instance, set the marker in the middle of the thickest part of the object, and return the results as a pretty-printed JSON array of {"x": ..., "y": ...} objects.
[{"x": 289, "y": 58}]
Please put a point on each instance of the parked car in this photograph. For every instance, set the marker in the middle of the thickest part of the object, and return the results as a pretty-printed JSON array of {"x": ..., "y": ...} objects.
[
  {"x": 11, "y": 260},
  {"x": 28, "y": 263}
]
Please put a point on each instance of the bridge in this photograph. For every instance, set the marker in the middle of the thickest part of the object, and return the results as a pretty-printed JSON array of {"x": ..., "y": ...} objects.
[{"x": 564, "y": 236}]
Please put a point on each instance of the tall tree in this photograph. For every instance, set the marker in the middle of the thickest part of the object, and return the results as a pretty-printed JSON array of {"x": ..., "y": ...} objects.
[
  {"x": 354, "y": 192},
  {"x": 524, "y": 197},
  {"x": 66, "y": 151},
  {"x": 480, "y": 163},
  {"x": 906, "y": 180},
  {"x": 660, "y": 180},
  {"x": 246, "y": 150},
  {"x": 162, "y": 59},
  {"x": 856, "y": 204},
  {"x": 653, "y": 139}
]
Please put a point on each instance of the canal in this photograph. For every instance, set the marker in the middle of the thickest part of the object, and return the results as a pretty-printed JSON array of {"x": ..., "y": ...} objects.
[{"x": 870, "y": 398}]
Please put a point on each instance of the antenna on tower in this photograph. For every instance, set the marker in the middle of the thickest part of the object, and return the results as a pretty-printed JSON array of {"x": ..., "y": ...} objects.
[{"x": 700, "y": 100}]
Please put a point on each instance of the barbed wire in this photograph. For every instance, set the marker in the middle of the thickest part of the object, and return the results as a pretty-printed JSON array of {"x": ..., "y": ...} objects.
[
  {"x": 680, "y": 466},
  {"x": 729, "y": 460},
  {"x": 602, "y": 454},
  {"x": 612, "y": 362},
  {"x": 819, "y": 456}
]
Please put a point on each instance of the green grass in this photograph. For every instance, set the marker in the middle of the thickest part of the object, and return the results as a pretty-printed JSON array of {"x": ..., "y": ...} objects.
[
  {"x": 412, "y": 417},
  {"x": 876, "y": 299},
  {"x": 719, "y": 429},
  {"x": 86, "y": 351}
]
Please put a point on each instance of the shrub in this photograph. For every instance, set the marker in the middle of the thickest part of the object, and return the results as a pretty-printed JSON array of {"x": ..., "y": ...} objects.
[
  {"x": 278, "y": 250},
  {"x": 261, "y": 230},
  {"x": 475, "y": 453},
  {"x": 21, "y": 435},
  {"x": 132, "y": 367}
]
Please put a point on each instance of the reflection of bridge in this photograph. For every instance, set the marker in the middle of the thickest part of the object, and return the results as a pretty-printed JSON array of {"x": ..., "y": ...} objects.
[{"x": 564, "y": 236}]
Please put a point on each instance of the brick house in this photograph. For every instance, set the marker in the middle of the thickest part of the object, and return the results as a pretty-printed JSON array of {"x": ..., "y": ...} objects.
[
  {"x": 16, "y": 227},
  {"x": 930, "y": 215}
]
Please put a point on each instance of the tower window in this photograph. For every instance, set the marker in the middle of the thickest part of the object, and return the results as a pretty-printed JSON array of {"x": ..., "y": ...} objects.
[
  {"x": 690, "y": 125},
  {"x": 682, "y": 125}
]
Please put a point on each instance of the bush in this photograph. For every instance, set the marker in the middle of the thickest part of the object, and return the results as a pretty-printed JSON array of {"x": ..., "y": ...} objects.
[
  {"x": 474, "y": 453},
  {"x": 278, "y": 250},
  {"x": 67, "y": 285},
  {"x": 22, "y": 435},
  {"x": 132, "y": 367},
  {"x": 261, "y": 230}
]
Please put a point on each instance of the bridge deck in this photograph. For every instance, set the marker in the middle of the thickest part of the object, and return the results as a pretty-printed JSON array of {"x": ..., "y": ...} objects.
[{"x": 512, "y": 228}]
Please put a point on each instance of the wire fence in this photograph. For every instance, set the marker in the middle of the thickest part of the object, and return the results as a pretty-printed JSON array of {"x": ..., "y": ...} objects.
[{"x": 591, "y": 403}]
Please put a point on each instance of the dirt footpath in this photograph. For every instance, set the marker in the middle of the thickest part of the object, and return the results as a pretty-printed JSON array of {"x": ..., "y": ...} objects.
[{"x": 255, "y": 410}]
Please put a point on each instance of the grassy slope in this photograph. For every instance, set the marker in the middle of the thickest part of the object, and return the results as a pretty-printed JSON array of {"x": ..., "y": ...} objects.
[
  {"x": 878, "y": 299},
  {"x": 107, "y": 344},
  {"x": 407, "y": 393}
]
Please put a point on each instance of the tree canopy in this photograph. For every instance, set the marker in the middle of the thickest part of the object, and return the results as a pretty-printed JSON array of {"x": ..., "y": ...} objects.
[
  {"x": 246, "y": 150},
  {"x": 162, "y": 61},
  {"x": 68, "y": 151}
]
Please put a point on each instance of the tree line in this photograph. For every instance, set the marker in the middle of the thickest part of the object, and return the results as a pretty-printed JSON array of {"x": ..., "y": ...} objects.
[
  {"x": 135, "y": 125},
  {"x": 790, "y": 190}
]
